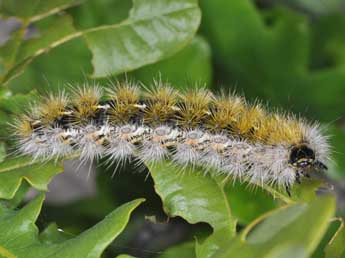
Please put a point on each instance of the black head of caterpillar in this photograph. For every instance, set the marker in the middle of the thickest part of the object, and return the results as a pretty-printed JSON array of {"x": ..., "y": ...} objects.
[
  {"x": 223, "y": 134},
  {"x": 302, "y": 157}
]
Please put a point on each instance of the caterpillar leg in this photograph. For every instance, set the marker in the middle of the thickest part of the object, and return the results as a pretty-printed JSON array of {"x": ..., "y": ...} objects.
[
  {"x": 287, "y": 189},
  {"x": 305, "y": 173},
  {"x": 298, "y": 177},
  {"x": 320, "y": 165}
]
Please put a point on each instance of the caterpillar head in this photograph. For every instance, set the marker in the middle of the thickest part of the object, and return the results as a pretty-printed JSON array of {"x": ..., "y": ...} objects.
[{"x": 302, "y": 157}]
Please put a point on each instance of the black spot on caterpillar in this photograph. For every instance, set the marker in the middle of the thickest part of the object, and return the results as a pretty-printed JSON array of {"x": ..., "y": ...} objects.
[{"x": 223, "y": 133}]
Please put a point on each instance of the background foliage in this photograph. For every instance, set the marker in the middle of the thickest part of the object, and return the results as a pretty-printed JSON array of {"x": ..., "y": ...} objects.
[{"x": 290, "y": 54}]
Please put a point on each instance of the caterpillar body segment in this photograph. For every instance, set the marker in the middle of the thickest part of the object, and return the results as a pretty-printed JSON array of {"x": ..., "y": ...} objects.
[{"x": 197, "y": 128}]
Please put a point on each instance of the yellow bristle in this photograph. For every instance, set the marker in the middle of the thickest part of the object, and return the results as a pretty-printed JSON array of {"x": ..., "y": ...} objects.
[
  {"x": 227, "y": 109},
  {"x": 86, "y": 100},
  {"x": 292, "y": 133},
  {"x": 23, "y": 126},
  {"x": 124, "y": 92},
  {"x": 161, "y": 104},
  {"x": 197, "y": 98},
  {"x": 280, "y": 129},
  {"x": 125, "y": 97},
  {"x": 250, "y": 120},
  {"x": 261, "y": 133},
  {"x": 195, "y": 107},
  {"x": 52, "y": 107}
]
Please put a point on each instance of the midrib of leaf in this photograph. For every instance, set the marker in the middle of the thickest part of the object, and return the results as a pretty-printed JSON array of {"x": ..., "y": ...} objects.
[
  {"x": 259, "y": 219},
  {"x": 341, "y": 227},
  {"x": 278, "y": 194},
  {"x": 284, "y": 230},
  {"x": 18, "y": 42},
  {"x": 41, "y": 51},
  {"x": 29, "y": 162},
  {"x": 329, "y": 253},
  {"x": 20, "y": 245},
  {"x": 52, "y": 11},
  {"x": 45, "y": 14},
  {"x": 16, "y": 166},
  {"x": 127, "y": 22},
  {"x": 25, "y": 23},
  {"x": 33, "y": 9},
  {"x": 231, "y": 220}
]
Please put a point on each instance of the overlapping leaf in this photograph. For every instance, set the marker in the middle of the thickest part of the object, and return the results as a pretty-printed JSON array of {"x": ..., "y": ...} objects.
[
  {"x": 14, "y": 171},
  {"x": 293, "y": 231},
  {"x": 336, "y": 247},
  {"x": 124, "y": 256},
  {"x": 34, "y": 10},
  {"x": 205, "y": 198},
  {"x": 194, "y": 63},
  {"x": 52, "y": 32},
  {"x": 154, "y": 30},
  {"x": 19, "y": 234},
  {"x": 181, "y": 250},
  {"x": 196, "y": 198}
]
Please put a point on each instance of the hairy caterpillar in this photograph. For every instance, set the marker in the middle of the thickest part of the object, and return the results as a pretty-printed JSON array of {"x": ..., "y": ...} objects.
[{"x": 222, "y": 133}]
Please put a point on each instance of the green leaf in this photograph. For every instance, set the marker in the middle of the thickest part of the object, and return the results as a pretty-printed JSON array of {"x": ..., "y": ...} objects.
[
  {"x": 72, "y": 71},
  {"x": 53, "y": 235},
  {"x": 9, "y": 50},
  {"x": 247, "y": 203},
  {"x": 20, "y": 237},
  {"x": 19, "y": 196},
  {"x": 33, "y": 10},
  {"x": 124, "y": 256},
  {"x": 193, "y": 62},
  {"x": 52, "y": 32},
  {"x": 286, "y": 232},
  {"x": 94, "y": 13},
  {"x": 336, "y": 247},
  {"x": 15, "y": 104},
  {"x": 306, "y": 191},
  {"x": 196, "y": 198},
  {"x": 181, "y": 250},
  {"x": 155, "y": 30},
  {"x": 14, "y": 171},
  {"x": 204, "y": 198}
]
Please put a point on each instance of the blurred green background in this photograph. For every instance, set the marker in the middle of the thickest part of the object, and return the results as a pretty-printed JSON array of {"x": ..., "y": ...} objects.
[{"x": 289, "y": 54}]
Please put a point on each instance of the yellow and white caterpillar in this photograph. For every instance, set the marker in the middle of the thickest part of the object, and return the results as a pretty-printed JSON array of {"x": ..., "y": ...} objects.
[{"x": 223, "y": 133}]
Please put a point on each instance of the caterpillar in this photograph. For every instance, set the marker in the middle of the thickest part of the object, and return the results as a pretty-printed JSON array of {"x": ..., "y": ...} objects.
[{"x": 221, "y": 133}]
